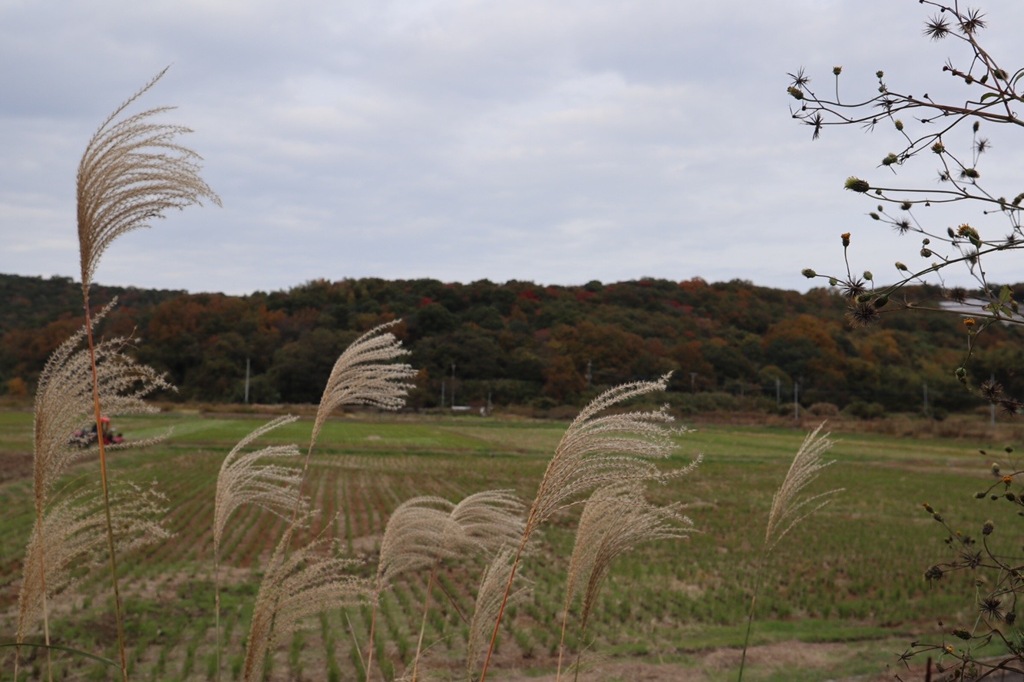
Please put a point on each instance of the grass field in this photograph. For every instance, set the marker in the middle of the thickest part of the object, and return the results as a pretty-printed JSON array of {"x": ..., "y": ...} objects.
[{"x": 843, "y": 595}]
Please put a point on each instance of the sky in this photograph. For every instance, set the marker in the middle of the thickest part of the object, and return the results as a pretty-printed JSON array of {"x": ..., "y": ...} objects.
[{"x": 557, "y": 142}]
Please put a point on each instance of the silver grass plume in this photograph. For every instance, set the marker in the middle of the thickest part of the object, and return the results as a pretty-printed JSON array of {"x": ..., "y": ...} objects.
[
  {"x": 483, "y": 522},
  {"x": 414, "y": 539},
  {"x": 133, "y": 171},
  {"x": 787, "y": 511},
  {"x": 598, "y": 450},
  {"x": 64, "y": 404},
  {"x": 296, "y": 585},
  {"x": 257, "y": 477},
  {"x": 64, "y": 401},
  {"x": 499, "y": 587},
  {"x": 487, "y": 521},
  {"x": 427, "y": 529},
  {"x": 71, "y": 536},
  {"x": 615, "y": 520},
  {"x": 366, "y": 374}
]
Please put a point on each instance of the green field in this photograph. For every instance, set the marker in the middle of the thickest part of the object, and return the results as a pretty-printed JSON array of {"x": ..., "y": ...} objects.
[{"x": 843, "y": 595}]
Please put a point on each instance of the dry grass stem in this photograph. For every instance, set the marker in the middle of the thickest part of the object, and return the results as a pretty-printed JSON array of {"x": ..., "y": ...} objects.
[
  {"x": 64, "y": 401},
  {"x": 414, "y": 540},
  {"x": 599, "y": 450},
  {"x": 497, "y": 590},
  {"x": 483, "y": 522},
  {"x": 70, "y": 384},
  {"x": 424, "y": 531},
  {"x": 259, "y": 478},
  {"x": 298, "y": 584},
  {"x": 787, "y": 510},
  {"x": 72, "y": 536},
  {"x": 615, "y": 520},
  {"x": 131, "y": 173}
]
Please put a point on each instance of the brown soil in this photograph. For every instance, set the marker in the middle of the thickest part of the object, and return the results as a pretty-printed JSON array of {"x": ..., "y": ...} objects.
[
  {"x": 723, "y": 664},
  {"x": 15, "y": 465}
]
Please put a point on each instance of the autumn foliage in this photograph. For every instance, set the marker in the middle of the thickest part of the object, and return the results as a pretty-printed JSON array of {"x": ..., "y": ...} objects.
[{"x": 521, "y": 343}]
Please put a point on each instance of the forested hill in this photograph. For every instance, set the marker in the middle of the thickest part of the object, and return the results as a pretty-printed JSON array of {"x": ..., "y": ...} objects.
[{"x": 519, "y": 342}]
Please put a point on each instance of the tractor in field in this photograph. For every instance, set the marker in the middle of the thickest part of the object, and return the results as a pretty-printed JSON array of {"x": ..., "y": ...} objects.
[{"x": 85, "y": 438}]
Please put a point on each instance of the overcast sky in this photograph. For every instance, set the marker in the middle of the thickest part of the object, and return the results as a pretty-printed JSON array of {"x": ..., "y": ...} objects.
[{"x": 557, "y": 141}]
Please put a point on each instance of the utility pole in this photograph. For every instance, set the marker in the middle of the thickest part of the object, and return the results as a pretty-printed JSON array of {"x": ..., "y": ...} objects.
[
  {"x": 247, "y": 381},
  {"x": 796, "y": 399},
  {"x": 453, "y": 385},
  {"x": 924, "y": 387},
  {"x": 778, "y": 393},
  {"x": 693, "y": 382}
]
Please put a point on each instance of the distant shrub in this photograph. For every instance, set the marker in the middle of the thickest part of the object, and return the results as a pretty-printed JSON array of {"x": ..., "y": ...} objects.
[
  {"x": 706, "y": 402},
  {"x": 861, "y": 409},
  {"x": 823, "y": 410}
]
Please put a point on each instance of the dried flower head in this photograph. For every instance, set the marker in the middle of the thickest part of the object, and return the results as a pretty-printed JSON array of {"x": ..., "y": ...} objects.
[
  {"x": 491, "y": 597},
  {"x": 366, "y": 374},
  {"x": 615, "y": 520},
  {"x": 855, "y": 184},
  {"x": 71, "y": 537},
  {"x": 788, "y": 508},
  {"x": 937, "y": 27},
  {"x": 298, "y": 584},
  {"x": 258, "y": 478},
  {"x": 972, "y": 21},
  {"x": 131, "y": 173},
  {"x": 598, "y": 450},
  {"x": 853, "y": 288},
  {"x": 64, "y": 400}
]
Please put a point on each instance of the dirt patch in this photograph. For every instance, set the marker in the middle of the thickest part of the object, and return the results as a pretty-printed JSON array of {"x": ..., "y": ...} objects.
[
  {"x": 15, "y": 466},
  {"x": 723, "y": 664}
]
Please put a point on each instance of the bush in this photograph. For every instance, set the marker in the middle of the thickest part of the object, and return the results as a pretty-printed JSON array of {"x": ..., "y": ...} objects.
[
  {"x": 861, "y": 409},
  {"x": 823, "y": 410}
]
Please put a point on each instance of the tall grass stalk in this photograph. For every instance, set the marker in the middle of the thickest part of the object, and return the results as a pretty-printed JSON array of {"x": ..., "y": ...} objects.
[
  {"x": 255, "y": 478},
  {"x": 788, "y": 509},
  {"x": 100, "y": 439},
  {"x": 413, "y": 540},
  {"x": 596, "y": 450},
  {"x": 297, "y": 584},
  {"x": 364, "y": 374},
  {"x": 64, "y": 405},
  {"x": 132, "y": 171},
  {"x": 615, "y": 520},
  {"x": 483, "y": 522}
]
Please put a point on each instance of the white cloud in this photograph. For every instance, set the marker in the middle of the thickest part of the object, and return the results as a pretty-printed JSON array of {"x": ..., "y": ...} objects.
[{"x": 462, "y": 140}]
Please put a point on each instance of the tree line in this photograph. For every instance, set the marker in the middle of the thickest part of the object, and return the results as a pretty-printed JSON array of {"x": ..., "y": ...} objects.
[{"x": 523, "y": 343}]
